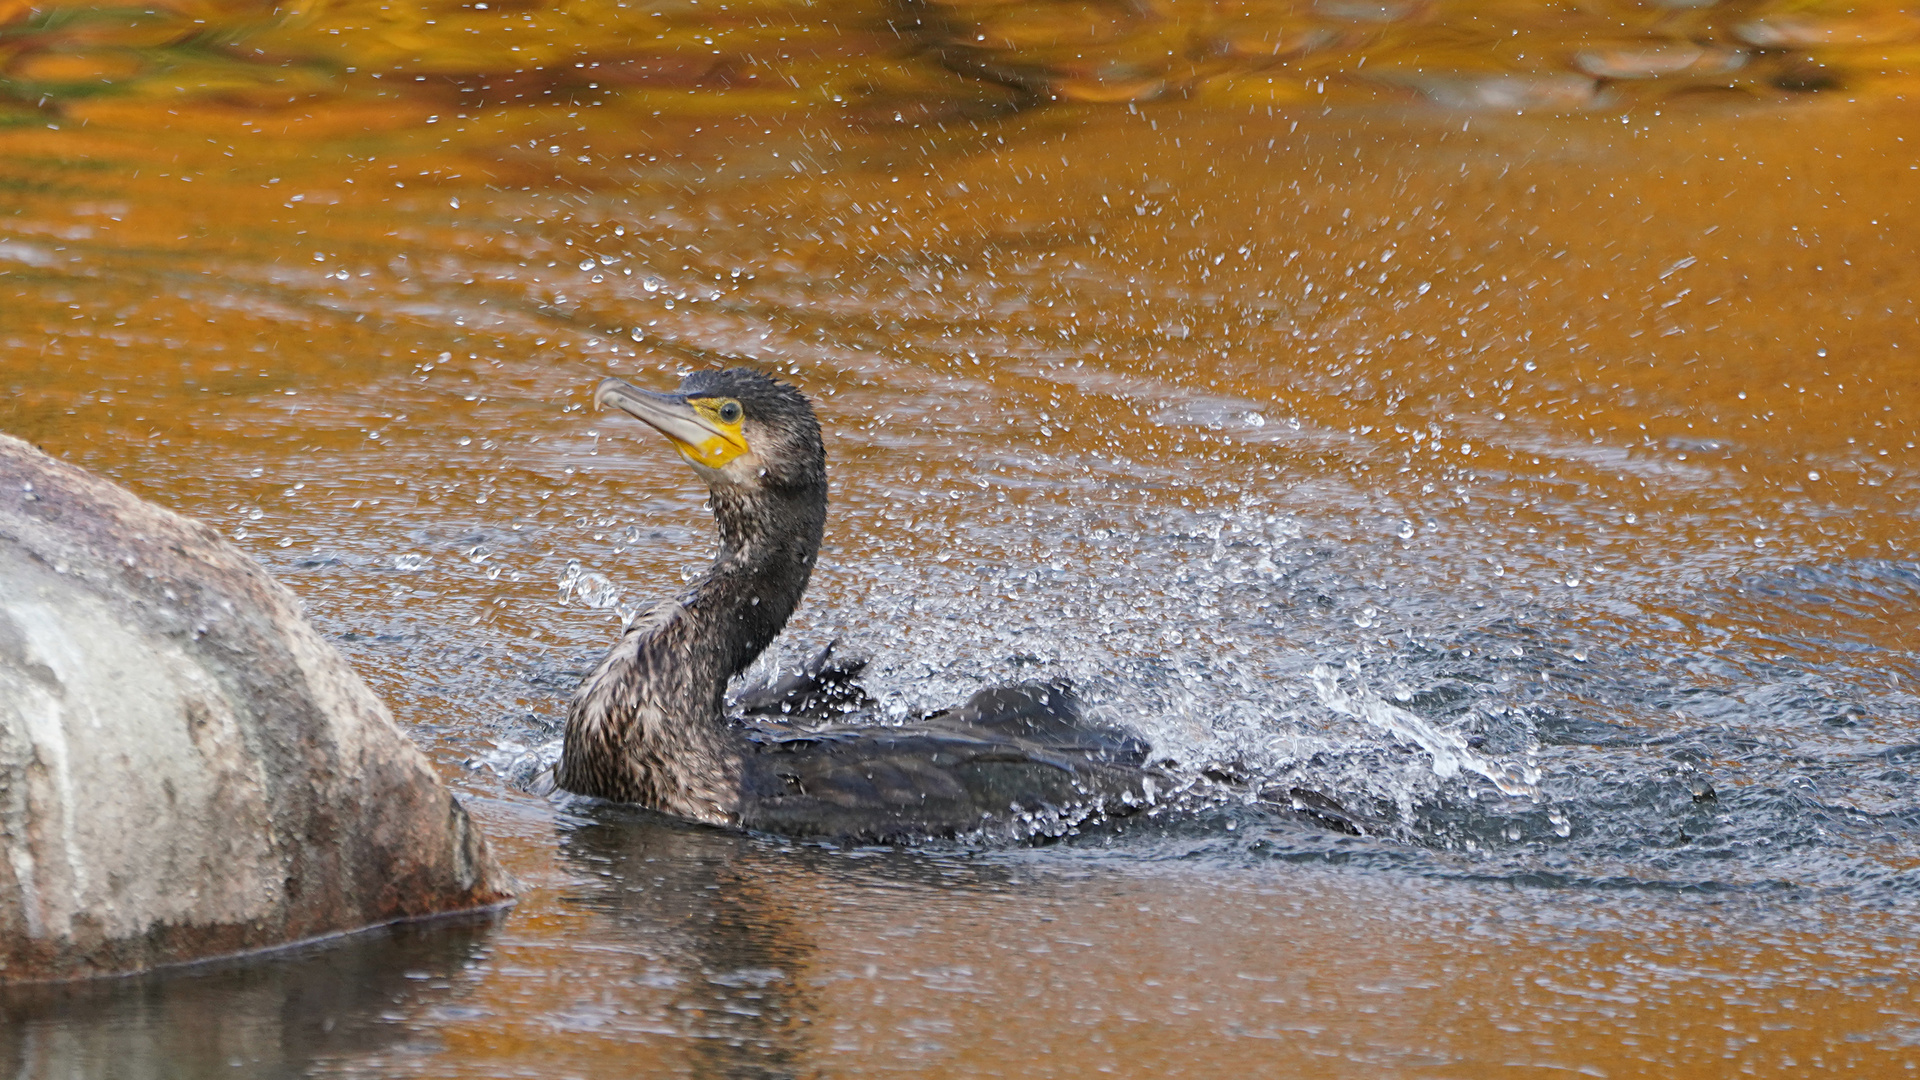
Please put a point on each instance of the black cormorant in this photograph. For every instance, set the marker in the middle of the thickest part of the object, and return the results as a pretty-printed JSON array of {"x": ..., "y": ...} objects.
[{"x": 650, "y": 725}]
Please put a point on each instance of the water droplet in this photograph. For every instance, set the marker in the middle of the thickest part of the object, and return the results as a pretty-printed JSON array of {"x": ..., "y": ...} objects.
[{"x": 590, "y": 587}]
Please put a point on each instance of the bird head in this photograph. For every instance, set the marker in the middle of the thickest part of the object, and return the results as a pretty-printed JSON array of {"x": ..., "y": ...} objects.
[{"x": 739, "y": 429}]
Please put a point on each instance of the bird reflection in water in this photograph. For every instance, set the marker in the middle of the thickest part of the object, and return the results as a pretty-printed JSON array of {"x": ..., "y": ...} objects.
[
  {"x": 742, "y": 939},
  {"x": 715, "y": 930}
]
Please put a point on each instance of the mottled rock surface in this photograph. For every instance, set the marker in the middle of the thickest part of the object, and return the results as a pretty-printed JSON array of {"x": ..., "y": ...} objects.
[{"x": 186, "y": 768}]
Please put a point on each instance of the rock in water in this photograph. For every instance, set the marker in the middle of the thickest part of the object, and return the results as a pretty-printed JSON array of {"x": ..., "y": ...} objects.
[{"x": 187, "y": 769}]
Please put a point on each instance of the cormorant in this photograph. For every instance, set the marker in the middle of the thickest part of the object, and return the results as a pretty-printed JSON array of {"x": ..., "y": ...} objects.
[{"x": 649, "y": 725}]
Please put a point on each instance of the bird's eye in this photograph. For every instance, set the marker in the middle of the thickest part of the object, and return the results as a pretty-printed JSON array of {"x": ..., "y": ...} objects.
[{"x": 730, "y": 412}]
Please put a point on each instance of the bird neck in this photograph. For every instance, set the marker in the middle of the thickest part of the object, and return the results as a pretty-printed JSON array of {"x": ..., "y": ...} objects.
[
  {"x": 648, "y": 726},
  {"x": 769, "y": 540}
]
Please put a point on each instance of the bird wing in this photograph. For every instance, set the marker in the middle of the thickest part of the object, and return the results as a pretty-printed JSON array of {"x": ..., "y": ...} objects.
[
  {"x": 889, "y": 784},
  {"x": 823, "y": 688}
]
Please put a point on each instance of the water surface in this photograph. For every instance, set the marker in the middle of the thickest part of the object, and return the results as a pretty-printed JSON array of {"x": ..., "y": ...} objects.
[{"x": 1495, "y": 415}]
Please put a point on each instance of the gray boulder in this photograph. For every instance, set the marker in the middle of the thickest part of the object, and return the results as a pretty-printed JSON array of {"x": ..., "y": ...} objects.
[{"x": 186, "y": 769}]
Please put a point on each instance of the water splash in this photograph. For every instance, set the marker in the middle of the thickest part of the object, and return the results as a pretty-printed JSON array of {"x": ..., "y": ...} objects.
[
  {"x": 520, "y": 764},
  {"x": 1449, "y": 751},
  {"x": 591, "y": 588}
]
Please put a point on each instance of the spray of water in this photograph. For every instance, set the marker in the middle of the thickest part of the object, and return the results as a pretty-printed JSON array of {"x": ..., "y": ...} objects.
[{"x": 1449, "y": 751}]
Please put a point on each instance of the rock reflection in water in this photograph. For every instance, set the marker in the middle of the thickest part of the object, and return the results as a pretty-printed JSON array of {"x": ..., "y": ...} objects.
[{"x": 281, "y": 1014}]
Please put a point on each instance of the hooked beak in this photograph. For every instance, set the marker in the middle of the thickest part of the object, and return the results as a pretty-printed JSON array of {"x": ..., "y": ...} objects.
[{"x": 699, "y": 439}]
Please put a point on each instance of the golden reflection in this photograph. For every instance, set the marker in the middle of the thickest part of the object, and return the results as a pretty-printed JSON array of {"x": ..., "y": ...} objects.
[
  {"x": 943, "y": 58},
  {"x": 691, "y": 952},
  {"x": 1696, "y": 321}
]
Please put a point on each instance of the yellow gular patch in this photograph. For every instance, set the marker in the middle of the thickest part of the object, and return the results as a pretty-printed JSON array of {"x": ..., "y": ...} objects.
[{"x": 725, "y": 417}]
